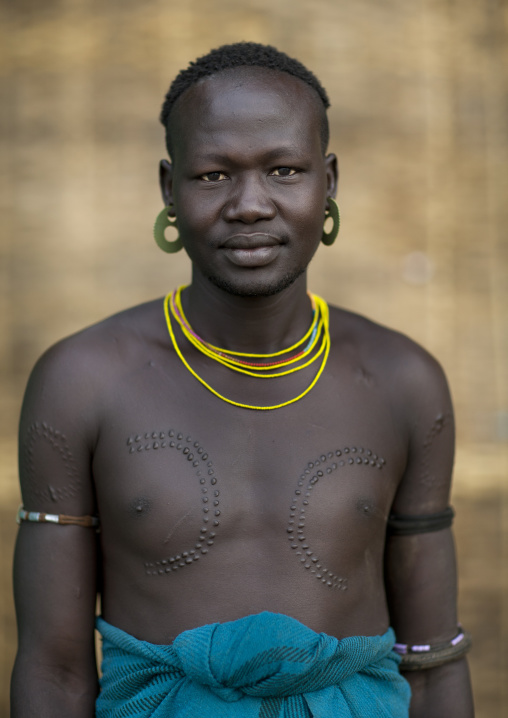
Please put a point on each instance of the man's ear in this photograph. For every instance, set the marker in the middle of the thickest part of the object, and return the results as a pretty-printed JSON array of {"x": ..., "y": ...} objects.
[
  {"x": 332, "y": 174},
  {"x": 166, "y": 181}
]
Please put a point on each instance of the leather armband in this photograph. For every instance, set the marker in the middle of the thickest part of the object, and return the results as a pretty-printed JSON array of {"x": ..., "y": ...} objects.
[
  {"x": 421, "y": 657},
  {"x": 400, "y": 525},
  {"x": 62, "y": 519}
]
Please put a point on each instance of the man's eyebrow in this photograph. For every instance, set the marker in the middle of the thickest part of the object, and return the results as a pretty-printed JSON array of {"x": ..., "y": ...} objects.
[{"x": 287, "y": 152}]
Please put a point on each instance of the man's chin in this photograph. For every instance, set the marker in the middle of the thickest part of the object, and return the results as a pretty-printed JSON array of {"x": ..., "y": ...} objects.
[{"x": 256, "y": 288}]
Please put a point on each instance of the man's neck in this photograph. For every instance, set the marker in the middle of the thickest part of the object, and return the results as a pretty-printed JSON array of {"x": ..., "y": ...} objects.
[{"x": 260, "y": 324}]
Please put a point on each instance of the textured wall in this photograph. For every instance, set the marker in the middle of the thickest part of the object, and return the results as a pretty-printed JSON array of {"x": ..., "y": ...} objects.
[{"x": 419, "y": 122}]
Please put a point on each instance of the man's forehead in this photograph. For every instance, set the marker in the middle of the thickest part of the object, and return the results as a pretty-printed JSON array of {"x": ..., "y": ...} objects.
[{"x": 246, "y": 94}]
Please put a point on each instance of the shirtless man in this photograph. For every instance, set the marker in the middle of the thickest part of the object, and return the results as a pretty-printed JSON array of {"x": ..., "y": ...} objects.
[{"x": 211, "y": 512}]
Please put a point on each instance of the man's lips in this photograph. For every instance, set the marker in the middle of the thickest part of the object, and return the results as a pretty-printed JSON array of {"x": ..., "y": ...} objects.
[
  {"x": 251, "y": 241},
  {"x": 252, "y": 250}
]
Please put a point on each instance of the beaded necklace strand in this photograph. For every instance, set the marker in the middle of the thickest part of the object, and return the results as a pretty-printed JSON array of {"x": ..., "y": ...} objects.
[
  {"x": 254, "y": 369},
  {"x": 319, "y": 326},
  {"x": 199, "y": 343}
]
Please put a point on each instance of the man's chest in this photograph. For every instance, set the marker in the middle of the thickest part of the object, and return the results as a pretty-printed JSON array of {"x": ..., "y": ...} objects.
[{"x": 173, "y": 473}]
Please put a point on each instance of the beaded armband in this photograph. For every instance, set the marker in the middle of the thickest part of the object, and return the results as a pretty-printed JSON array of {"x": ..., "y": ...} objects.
[
  {"x": 420, "y": 657},
  {"x": 62, "y": 519},
  {"x": 399, "y": 525}
]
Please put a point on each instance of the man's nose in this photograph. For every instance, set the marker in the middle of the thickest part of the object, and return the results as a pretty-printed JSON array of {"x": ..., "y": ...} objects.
[{"x": 249, "y": 202}]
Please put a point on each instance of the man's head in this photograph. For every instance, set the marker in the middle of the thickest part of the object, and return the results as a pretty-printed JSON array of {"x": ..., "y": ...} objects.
[
  {"x": 242, "y": 54},
  {"x": 249, "y": 180}
]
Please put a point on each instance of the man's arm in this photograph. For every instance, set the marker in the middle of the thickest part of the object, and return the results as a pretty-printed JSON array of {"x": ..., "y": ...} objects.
[
  {"x": 55, "y": 565},
  {"x": 420, "y": 568}
]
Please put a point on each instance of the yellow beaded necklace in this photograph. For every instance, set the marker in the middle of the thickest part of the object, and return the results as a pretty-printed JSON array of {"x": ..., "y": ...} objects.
[{"x": 318, "y": 330}]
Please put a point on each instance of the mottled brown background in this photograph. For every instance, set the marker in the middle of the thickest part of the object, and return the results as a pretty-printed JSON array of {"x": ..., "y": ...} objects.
[{"x": 420, "y": 124}]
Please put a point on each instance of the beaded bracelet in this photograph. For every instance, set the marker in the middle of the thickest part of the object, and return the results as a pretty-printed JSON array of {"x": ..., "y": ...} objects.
[
  {"x": 62, "y": 519},
  {"x": 417, "y": 657}
]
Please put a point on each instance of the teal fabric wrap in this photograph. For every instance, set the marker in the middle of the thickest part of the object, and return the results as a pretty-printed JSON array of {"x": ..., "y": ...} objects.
[{"x": 262, "y": 666}]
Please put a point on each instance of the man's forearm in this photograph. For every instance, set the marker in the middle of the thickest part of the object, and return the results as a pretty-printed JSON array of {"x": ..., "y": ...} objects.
[
  {"x": 41, "y": 692},
  {"x": 441, "y": 692}
]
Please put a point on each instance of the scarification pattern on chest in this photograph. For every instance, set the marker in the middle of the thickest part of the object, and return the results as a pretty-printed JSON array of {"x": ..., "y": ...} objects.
[
  {"x": 204, "y": 471},
  {"x": 318, "y": 470}
]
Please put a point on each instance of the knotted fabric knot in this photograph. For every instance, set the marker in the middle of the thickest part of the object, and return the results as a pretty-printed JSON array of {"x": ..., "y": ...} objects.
[{"x": 258, "y": 666}]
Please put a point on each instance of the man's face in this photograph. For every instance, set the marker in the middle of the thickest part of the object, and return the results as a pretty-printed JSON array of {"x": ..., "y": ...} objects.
[{"x": 249, "y": 181}]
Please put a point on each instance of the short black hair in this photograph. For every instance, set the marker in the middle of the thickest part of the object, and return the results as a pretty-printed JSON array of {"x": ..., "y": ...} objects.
[{"x": 242, "y": 54}]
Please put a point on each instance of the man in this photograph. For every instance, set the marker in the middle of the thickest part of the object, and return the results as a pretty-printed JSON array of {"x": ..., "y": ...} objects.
[{"x": 243, "y": 564}]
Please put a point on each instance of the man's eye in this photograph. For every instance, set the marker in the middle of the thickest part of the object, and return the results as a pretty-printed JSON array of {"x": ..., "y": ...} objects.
[
  {"x": 213, "y": 176},
  {"x": 283, "y": 172}
]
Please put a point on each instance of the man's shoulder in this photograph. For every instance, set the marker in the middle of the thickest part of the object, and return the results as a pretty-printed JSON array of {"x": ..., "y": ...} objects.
[
  {"x": 385, "y": 350},
  {"x": 91, "y": 354}
]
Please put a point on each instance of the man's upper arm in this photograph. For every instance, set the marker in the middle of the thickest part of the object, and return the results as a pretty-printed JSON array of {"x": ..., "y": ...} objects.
[
  {"x": 55, "y": 565},
  {"x": 420, "y": 568}
]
